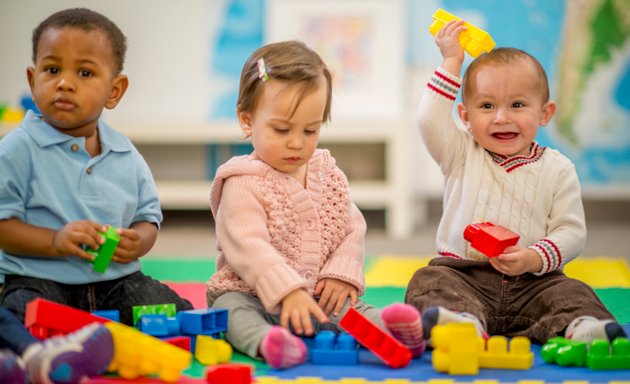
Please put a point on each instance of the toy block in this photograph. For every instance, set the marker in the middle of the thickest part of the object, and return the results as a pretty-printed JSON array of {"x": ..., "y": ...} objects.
[
  {"x": 497, "y": 355},
  {"x": 205, "y": 321},
  {"x": 333, "y": 349},
  {"x": 490, "y": 239},
  {"x": 564, "y": 352},
  {"x": 46, "y": 318},
  {"x": 158, "y": 325},
  {"x": 608, "y": 356},
  {"x": 456, "y": 348},
  {"x": 169, "y": 310},
  {"x": 103, "y": 256},
  {"x": 211, "y": 351},
  {"x": 230, "y": 374},
  {"x": 110, "y": 314},
  {"x": 368, "y": 334},
  {"x": 138, "y": 354},
  {"x": 182, "y": 342},
  {"x": 473, "y": 40}
]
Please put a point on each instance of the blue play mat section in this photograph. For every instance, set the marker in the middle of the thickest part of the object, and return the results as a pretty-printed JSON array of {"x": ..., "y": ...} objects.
[{"x": 372, "y": 369}]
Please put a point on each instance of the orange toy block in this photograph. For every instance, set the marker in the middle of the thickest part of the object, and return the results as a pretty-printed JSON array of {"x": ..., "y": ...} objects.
[
  {"x": 46, "y": 318},
  {"x": 473, "y": 40},
  {"x": 456, "y": 348},
  {"x": 497, "y": 355},
  {"x": 211, "y": 351},
  {"x": 138, "y": 354}
]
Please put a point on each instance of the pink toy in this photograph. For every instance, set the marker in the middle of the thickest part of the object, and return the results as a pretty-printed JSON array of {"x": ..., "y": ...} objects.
[{"x": 490, "y": 239}]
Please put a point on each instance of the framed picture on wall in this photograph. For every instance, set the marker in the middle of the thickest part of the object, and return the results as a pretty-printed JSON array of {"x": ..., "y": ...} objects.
[{"x": 362, "y": 41}]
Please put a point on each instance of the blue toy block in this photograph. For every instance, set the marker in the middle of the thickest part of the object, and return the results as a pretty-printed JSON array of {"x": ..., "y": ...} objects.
[
  {"x": 332, "y": 349},
  {"x": 111, "y": 314},
  {"x": 159, "y": 325},
  {"x": 206, "y": 321}
]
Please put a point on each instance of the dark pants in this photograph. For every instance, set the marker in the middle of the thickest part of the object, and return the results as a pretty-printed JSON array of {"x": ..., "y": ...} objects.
[
  {"x": 121, "y": 294},
  {"x": 539, "y": 307},
  {"x": 13, "y": 335}
]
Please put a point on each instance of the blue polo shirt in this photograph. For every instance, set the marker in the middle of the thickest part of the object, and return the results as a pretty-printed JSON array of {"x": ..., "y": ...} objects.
[{"x": 48, "y": 179}]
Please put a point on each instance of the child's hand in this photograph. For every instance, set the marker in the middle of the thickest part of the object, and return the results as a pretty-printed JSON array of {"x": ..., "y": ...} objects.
[
  {"x": 515, "y": 261},
  {"x": 129, "y": 247},
  {"x": 297, "y": 308},
  {"x": 447, "y": 39},
  {"x": 333, "y": 294},
  {"x": 69, "y": 240}
]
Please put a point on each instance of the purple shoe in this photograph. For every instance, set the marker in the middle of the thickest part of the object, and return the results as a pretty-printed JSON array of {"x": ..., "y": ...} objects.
[
  {"x": 73, "y": 357},
  {"x": 12, "y": 370}
]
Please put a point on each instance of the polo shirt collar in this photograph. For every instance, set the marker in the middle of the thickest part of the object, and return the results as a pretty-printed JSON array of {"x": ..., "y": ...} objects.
[{"x": 46, "y": 135}]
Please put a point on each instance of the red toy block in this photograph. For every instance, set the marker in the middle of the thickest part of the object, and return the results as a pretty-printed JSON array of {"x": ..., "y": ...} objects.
[
  {"x": 388, "y": 349},
  {"x": 46, "y": 318},
  {"x": 490, "y": 239},
  {"x": 182, "y": 342},
  {"x": 229, "y": 374}
]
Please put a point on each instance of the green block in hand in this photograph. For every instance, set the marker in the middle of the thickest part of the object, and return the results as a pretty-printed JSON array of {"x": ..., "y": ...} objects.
[{"x": 103, "y": 256}]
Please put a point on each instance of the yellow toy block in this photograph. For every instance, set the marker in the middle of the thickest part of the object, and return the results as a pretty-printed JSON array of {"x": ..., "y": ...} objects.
[
  {"x": 12, "y": 115},
  {"x": 456, "y": 348},
  {"x": 211, "y": 351},
  {"x": 496, "y": 354},
  {"x": 473, "y": 40},
  {"x": 138, "y": 354}
]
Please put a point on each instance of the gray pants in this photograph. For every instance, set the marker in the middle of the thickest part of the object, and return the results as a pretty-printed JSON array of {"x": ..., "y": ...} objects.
[
  {"x": 539, "y": 307},
  {"x": 249, "y": 322}
]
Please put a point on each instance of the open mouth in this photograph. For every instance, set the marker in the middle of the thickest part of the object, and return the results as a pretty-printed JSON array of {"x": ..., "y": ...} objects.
[{"x": 505, "y": 135}]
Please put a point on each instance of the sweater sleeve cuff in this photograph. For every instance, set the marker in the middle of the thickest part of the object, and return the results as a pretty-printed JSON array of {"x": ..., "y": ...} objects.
[
  {"x": 278, "y": 281},
  {"x": 549, "y": 254},
  {"x": 346, "y": 269},
  {"x": 444, "y": 84}
]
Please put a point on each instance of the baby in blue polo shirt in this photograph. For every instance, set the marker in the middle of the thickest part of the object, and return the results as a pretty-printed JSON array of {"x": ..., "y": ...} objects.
[{"x": 65, "y": 176}]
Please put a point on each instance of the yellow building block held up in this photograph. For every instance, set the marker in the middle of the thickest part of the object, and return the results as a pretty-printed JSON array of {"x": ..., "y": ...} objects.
[{"x": 473, "y": 40}]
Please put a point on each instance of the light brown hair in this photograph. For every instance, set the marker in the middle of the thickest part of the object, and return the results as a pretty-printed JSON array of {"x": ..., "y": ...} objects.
[
  {"x": 505, "y": 56},
  {"x": 289, "y": 61}
]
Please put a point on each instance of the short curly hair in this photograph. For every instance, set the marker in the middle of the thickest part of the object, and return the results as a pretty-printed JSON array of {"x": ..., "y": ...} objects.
[{"x": 87, "y": 20}]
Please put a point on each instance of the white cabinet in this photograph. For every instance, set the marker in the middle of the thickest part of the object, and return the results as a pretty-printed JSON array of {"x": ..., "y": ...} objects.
[{"x": 374, "y": 155}]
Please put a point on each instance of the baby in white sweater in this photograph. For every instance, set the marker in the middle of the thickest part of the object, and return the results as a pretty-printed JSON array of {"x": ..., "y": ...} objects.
[{"x": 495, "y": 171}]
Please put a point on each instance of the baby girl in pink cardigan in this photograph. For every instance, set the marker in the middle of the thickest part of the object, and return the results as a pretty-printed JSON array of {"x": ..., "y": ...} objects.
[{"x": 290, "y": 240}]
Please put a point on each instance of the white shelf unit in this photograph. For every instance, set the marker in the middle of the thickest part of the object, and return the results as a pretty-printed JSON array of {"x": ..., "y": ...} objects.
[{"x": 391, "y": 192}]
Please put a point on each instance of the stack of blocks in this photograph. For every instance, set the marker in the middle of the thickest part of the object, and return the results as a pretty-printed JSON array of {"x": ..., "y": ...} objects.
[
  {"x": 599, "y": 355},
  {"x": 458, "y": 350},
  {"x": 137, "y": 353}
]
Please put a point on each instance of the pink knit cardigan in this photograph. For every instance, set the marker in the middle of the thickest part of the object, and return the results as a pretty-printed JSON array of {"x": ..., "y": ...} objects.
[{"x": 275, "y": 236}]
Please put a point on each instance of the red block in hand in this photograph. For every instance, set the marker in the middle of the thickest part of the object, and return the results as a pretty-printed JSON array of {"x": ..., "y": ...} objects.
[{"x": 490, "y": 239}]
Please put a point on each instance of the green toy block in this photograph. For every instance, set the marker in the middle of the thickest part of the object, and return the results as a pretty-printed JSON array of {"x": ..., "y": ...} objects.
[
  {"x": 103, "y": 256},
  {"x": 564, "y": 352},
  {"x": 169, "y": 310},
  {"x": 607, "y": 356}
]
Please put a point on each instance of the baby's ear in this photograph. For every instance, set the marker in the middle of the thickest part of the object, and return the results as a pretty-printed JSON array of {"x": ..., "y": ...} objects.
[
  {"x": 245, "y": 121},
  {"x": 548, "y": 110},
  {"x": 463, "y": 115},
  {"x": 119, "y": 87}
]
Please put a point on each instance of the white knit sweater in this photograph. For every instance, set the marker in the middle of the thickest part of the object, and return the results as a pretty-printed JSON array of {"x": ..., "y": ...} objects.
[{"x": 537, "y": 196}]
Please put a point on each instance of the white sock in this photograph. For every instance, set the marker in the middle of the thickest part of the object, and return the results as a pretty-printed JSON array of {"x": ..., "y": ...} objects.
[{"x": 589, "y": 328}]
